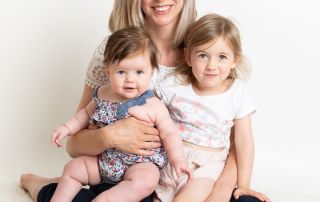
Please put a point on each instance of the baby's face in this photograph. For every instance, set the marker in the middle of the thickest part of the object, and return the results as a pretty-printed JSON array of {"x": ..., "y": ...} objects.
[{"x": 131, "y": 76}]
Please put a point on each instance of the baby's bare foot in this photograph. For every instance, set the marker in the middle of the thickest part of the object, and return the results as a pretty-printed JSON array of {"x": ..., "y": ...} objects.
[{"x": 33, "y": 183}]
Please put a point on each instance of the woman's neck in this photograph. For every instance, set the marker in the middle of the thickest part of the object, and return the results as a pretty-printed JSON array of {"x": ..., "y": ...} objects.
[{"x": 163, "y": 37}]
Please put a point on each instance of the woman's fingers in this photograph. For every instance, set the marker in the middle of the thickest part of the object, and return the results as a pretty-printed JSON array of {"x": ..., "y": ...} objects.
[
  {"x": 250, "y": 192},
  {"x": 145, "y": 138},
  {"x": 262, "y": 197},
  {"x": 146, "y": 148}
]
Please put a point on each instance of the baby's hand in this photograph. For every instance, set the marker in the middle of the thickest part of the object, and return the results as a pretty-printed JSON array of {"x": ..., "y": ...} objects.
[
  {"x": 250, "y": 192},
  {"x": 58, "y": 135},
  {"x": 180, "y": 166}
]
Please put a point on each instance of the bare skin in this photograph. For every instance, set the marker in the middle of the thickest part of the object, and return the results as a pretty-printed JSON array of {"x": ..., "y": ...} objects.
[{"x": 33, "y": 183}]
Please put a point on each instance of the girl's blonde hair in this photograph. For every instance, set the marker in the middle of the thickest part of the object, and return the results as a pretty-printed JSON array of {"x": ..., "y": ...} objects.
[
  {"x": 208, "y": 29},
  {"x": 129, "y": 13}
]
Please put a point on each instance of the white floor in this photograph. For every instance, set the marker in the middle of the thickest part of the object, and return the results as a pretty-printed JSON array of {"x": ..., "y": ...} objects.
[{"x": 12, "y": 192}]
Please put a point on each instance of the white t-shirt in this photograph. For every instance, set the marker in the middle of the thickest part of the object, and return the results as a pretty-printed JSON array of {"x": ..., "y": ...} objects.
[{"x": 206, "y": 120}]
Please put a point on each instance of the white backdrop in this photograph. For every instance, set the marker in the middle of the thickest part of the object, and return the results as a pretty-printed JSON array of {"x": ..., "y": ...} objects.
[{"x": 45, "y": 47}]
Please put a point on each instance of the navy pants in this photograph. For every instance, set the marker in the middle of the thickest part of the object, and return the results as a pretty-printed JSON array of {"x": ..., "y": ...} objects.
[{"x": 87, "y": 195}]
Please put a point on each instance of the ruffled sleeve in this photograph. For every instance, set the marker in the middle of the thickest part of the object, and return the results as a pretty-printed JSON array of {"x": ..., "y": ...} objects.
[{"x": 96, "y": 72}]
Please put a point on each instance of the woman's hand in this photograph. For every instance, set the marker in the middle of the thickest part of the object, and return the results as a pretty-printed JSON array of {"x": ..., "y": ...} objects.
[
  {"x": 133, "y": 136},
  {"x": 250, "y": 192}
]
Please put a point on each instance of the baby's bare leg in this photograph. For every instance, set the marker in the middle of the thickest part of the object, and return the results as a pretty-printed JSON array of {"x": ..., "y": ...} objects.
[
  {"x": 77, "y": 172},
  {"x": 196, "y": 190},
  {"x": 139, "y": 181}
]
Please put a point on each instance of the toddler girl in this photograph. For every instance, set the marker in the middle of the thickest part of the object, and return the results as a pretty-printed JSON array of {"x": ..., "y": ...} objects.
[{"x": 210, "y": 102}]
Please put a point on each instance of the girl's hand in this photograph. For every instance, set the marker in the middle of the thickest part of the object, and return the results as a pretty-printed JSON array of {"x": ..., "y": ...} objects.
[
  {"x": 58, "y": 135},
  {"x": 249, "y": 192},
  {"x": 133, "y": 136}
]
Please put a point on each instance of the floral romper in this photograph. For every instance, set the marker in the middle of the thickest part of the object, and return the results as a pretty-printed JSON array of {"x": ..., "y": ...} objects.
[{"x": 112, "y": 163}]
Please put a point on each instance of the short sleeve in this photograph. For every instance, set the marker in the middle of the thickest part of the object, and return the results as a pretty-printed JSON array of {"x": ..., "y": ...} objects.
[
  {"x": 245, "y": 103},
  {"x": 96, "y": 73}
]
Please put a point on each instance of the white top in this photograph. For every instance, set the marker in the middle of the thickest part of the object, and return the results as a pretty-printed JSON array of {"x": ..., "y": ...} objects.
[{"x": 206, "y": 120}]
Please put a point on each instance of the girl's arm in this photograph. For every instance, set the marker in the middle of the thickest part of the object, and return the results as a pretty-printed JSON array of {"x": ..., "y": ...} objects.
[
  {"x": 127, "y": 135},
  {"x": 245, "y": 150},
  {"x": 245, "y": 155}
]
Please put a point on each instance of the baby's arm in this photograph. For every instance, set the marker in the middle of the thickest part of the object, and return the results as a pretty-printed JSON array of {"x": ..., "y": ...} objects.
[
  {"x": 169, "y": 135},
  {"x": 72, "y": 126}
]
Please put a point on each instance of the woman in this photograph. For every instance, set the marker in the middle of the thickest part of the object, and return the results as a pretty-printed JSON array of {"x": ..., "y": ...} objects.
[{"x": 166, "y": 22}]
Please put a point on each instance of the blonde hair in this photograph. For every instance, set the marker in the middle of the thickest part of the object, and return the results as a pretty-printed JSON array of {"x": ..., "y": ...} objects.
[
  {"x": 208, "y": 29},
  {"x": 129, "y": 13}
]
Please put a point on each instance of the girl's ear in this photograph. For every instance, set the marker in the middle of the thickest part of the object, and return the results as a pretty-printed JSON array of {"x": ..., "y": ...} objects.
[
  {"x": 236, "y": 61},
  {"x": 187, "y": 56}
]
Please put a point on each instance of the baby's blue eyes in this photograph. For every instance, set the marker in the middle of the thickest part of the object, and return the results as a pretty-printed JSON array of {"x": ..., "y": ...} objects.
[
  {"x": 139, "y": 72},
  {"x": 122, "y": 72}
]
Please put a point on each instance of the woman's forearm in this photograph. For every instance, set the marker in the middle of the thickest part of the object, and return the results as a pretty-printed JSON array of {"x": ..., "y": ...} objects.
[
  {"x": 126, "y": 135},
  {"x": 89, "y": 142}
]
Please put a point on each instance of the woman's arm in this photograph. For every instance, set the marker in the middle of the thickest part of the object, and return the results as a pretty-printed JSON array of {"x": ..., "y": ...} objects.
[
  {"x": 86, "y": 97},
  {"x": 127, "y": 135}
]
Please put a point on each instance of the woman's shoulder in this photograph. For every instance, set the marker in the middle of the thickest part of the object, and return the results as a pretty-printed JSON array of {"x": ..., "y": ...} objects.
[{"x": 95, "y": 73}]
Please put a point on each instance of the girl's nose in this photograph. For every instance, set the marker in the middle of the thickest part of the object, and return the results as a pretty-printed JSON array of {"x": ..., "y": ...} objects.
[{"x": 212, "y": 65}]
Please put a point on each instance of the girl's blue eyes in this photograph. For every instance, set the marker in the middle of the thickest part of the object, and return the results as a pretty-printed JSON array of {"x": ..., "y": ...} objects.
[
  {"x": 202, "y": 56},
  {"x": 222, "y": 57}
]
